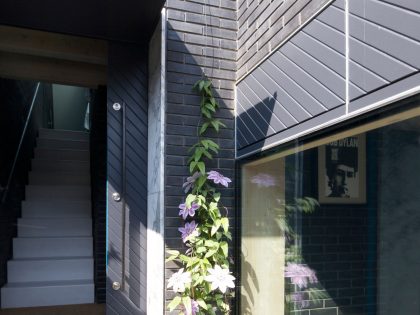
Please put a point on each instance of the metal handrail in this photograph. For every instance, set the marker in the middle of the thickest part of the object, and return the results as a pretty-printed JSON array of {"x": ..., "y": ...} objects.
[{"x": 6, "y": 189}]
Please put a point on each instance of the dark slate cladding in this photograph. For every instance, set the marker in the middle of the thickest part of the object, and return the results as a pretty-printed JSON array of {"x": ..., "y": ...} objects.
[
  {"x": 201, "y": 39},
  {"x": 303, "y": 84},
  {"x": 127, "y": 85},
  {"x": 384, "y": 46},
  {"x": 98, "y": 153},
  {"x": 304, "y": 79}
]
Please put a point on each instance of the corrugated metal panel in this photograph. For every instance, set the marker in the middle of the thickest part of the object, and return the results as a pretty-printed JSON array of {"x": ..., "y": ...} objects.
[
  {"x": 303, "y": 79},
  {"x": 306, "y": 77},
  {"x": 127, "y": 85}
]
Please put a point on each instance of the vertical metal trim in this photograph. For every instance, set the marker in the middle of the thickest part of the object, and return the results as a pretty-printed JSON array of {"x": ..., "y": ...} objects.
[
  {"x": 347, "y": 53},
  {"x": 123, "y": 196}
]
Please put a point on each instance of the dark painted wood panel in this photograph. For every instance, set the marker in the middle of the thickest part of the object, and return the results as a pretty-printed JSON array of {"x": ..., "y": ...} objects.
[{"x": 127, "y": 86}]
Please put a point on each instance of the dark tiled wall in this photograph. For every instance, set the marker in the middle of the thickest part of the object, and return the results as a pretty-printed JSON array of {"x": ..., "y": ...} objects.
[
  {"x": 264, "y": 24},
  {"x": 339, "y": 244},
  {"x": 201, "y": 40}
]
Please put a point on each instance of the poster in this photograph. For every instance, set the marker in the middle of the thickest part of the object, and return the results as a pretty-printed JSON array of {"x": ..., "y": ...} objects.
[{"x": 342, "y": 171}]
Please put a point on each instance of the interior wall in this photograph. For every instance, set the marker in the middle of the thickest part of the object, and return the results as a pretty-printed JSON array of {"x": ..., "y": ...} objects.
[
  {"x": 399, "y": 222},
  {"x": 70, "y": 104}
]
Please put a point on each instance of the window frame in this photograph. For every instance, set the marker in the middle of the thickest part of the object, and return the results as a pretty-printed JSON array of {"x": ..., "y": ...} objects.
[{"x": 369, "y": 121}]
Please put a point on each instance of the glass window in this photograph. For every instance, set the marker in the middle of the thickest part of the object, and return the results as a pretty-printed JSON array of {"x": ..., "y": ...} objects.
[{"x": 333, "y": 226}]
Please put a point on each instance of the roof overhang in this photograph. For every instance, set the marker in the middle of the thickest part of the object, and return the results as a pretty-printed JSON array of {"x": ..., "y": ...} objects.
[{"x": 121, "y": 20}]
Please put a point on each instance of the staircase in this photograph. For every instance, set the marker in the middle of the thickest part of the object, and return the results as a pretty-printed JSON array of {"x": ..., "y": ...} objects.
[{"x": 53, "y": 253}]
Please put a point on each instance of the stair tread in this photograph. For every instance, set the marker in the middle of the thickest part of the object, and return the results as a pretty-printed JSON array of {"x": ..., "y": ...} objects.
[
  {"x": 49, "y": 237},
  {"x": 51, "y": 258},
  {"x": 63, "y": 130},
  {"x": 58, "y": 283}
]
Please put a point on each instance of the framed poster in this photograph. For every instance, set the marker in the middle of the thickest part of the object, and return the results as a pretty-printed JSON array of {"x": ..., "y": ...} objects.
[{"x": 342, "y": 171}]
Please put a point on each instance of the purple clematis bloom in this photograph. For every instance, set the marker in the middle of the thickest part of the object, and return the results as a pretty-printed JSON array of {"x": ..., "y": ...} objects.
[
  {"x": 263, "y": 180},
  {"x": 218, "y": 178},
  {"x": 194, "y": 308},
  {"x": 298, "y": 298},
  {"x": 190, "y": 181},
  {"x": 184, "y": 211},
  {"x": 189, "y": 230},
  {"x": 300, "y": 275}
]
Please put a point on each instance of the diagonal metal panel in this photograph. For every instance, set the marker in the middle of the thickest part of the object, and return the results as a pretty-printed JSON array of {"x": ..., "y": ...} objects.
[
  {"x": 384, "y": 39},
  {"x": 307, "y": 75},
  {"x": 127, "y": 233},
  {"x": 296, "y": 83}
]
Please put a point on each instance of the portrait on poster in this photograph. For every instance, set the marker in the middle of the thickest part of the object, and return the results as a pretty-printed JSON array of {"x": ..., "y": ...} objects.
[{"x": 342, "y": 171}]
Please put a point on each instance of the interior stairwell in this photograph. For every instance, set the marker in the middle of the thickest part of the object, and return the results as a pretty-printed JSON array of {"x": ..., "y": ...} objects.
[{"x": 52, "y": 260}]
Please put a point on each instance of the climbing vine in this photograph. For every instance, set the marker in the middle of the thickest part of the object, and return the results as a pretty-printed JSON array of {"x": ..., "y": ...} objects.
[{"x": 202, "y": 284}]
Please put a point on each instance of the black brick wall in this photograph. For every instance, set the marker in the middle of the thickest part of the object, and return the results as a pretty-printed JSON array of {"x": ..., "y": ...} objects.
[
  {"x": 191, "y": 46},
  {"x": 339, "y": 244}
]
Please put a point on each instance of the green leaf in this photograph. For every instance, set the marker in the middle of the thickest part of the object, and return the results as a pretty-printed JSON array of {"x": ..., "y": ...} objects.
[
  {"x": 202, "y": 167},
  {"x": 207, "y": 154},
  {"x": 201, "y": 249},
  {"x": 225, "y": 248},
  {"x": 210, "y": 253},
  {"x": 206, "y": 113},
  {"x": 193, "y": 164},
  {"x": 200, "y": 181},
  {"x": 190, "y": 198},
  {"x": 184, "y": 258},
  {"x": 174, "y": 303},
  {"x": 210, "y": 107},
  {"x": 225, "y": 224},
  {"x": 187, "y": 304},
  {"x": 172, "y": 252},
  {"x": 201, "y": 85},
  {"x": 215, "y": 227},
  {"x": 202, "y": 304},
  {"x": 211, "y": 244},
  {"x": 204, "y": 127}
]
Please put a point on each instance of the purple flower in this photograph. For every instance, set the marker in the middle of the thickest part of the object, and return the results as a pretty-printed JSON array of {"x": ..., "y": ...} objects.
[
  {"x": 189, "y": 230},
  {"x": 263, "y": 180},
  {"x": 190, "y": 181},
  {"x": 184, "y": 211},
  {"x": 298, "y": 298},
  {"x": 194, "y": 308},
  {"x": 218, "y": 178},
  {"x": 300, "y": 274}
]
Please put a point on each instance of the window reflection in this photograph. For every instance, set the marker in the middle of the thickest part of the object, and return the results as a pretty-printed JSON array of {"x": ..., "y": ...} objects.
[{"x": 335, "y": 229}]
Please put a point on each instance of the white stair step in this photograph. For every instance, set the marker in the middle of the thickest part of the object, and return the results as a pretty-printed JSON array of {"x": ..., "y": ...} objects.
[
  {"x": 58, "y": 178},
  {"x": 51, "y": 209},
  {"x": 70, "y": 193},
  {"x": 63, "y": 134},
  {"x": 60, "y": 227},
  {"x": 61, "y": 154},
  {"x": 41, "y": 165},
  {"x": 32, "y": 294},
  {"x": 48, "y": 269},
  {"x": 62, "y": 144},
  {"x": 52, "y": 247}
]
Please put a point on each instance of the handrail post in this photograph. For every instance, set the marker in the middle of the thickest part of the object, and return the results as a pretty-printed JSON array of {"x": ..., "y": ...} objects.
[{"x": 6, "y": 189}]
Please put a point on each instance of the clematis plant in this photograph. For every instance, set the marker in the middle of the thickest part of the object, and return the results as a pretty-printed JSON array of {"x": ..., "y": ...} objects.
[{"x": 203, "y": 285}]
